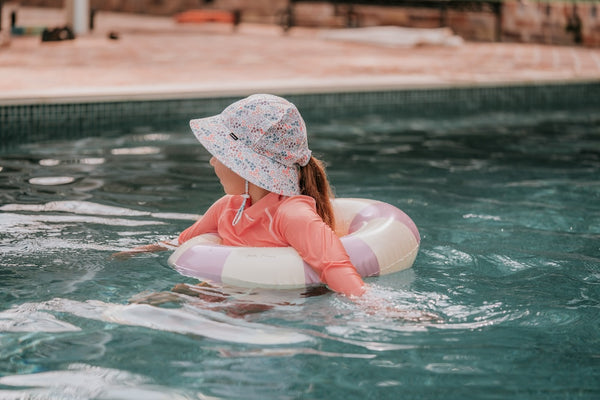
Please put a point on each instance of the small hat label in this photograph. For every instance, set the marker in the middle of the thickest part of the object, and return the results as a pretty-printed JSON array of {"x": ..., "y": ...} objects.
[{"x": 233, "y": 136}]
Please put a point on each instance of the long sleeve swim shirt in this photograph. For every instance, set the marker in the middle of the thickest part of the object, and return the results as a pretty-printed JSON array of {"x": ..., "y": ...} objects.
[{"x": 281, "y": 221}]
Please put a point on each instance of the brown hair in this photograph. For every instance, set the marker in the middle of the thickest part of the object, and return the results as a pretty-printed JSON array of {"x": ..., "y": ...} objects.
[{"x": 314, "y": 183}]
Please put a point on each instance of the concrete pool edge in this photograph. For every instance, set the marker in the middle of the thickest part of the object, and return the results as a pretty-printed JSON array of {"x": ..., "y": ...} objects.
[{"x": 278, "y": 87}]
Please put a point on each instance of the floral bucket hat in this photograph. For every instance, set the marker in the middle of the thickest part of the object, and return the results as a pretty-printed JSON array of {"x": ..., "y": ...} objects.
[{"x": 262, "y": 138}]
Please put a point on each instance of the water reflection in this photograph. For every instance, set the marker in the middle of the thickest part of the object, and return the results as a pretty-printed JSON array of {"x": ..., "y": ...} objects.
[{"x": 85, "y": 381}]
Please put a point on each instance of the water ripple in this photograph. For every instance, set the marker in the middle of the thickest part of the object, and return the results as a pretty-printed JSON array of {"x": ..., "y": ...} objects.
[
  {"x": 188, "y": 320},
  {"x": 82, "y": 381}
]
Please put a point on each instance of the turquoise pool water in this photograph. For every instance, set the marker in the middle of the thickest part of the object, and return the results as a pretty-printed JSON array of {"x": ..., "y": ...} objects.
[{"x": 508, "y": 207}]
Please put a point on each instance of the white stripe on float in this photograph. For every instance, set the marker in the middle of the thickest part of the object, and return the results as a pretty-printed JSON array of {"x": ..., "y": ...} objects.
[{"x": 254, "y": 267}]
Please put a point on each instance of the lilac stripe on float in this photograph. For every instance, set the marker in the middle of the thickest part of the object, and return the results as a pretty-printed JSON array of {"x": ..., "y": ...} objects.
[
  {"x": 382, "y": 210},
  {"x": 361, "y": 255},
  {"x": 211, "y": 265},
  {"x": 310, "y": 276}
]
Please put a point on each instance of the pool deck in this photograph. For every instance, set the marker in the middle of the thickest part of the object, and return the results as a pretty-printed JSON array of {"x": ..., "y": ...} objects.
[{"x": 154, "y": 57}]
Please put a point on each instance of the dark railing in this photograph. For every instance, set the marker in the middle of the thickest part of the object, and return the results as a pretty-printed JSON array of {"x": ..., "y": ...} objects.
[{"x": 353, "y": 18}]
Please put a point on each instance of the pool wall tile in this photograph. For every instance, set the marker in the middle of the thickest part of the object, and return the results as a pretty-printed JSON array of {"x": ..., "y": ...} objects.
[{"x": 25, "y": 123}]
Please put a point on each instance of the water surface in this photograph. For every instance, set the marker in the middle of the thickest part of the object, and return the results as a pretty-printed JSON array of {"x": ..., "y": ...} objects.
[{"x": 508, "y": 207}]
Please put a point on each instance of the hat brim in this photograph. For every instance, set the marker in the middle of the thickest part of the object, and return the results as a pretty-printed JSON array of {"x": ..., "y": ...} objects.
[{"x": 236, "y": 155}]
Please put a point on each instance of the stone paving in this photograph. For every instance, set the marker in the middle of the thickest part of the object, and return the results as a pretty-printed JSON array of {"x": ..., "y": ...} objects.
[{"x": 155, "y": 56}]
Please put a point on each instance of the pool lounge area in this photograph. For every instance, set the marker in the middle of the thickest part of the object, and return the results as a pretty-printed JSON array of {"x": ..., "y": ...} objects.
[{"x": 501, "y": 179}]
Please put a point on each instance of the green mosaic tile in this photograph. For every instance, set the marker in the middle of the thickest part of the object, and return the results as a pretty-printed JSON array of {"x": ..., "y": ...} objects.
[{"x": 31, "y": 122}]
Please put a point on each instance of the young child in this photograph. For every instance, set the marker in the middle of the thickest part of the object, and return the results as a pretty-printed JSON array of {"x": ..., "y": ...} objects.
[{"x": 277, "y": 193}]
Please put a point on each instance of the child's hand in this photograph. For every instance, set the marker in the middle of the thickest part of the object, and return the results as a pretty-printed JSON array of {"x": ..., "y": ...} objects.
[{"x": 149, "y": 248}]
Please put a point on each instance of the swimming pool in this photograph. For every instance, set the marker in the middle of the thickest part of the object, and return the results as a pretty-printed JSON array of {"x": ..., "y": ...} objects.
[{"x": 508, "y": 206}]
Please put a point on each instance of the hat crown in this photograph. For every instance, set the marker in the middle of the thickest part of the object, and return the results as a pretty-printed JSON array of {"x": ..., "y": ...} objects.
[
  {"x": 270, "y": 126},
  {"x": 262, "y": 138}
]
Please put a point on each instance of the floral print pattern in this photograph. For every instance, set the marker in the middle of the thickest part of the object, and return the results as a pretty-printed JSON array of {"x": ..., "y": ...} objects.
[{"x": 262, "y": 138}]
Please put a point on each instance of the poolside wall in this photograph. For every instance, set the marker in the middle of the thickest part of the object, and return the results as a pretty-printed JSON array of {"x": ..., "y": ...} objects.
[
  {"x": 57, "y": 119},
  {"x": 538, "y": 21}
]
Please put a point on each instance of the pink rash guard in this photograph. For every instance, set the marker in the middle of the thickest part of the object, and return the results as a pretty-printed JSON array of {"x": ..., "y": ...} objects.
[{"x": 280, "y": 221}]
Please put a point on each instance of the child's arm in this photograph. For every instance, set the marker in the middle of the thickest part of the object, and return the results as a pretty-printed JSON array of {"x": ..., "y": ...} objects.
[
  {"x": 206, "y": 223},
  {"x": 149, "y": 248},
  {"x": 320, "y": 247}
]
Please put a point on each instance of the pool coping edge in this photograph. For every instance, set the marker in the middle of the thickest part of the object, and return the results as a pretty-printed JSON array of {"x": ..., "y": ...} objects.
[{"x": 171, "y": 92}]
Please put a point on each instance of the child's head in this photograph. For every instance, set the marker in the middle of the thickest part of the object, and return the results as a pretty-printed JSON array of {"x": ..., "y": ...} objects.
[{"x": 262, "y": 138}]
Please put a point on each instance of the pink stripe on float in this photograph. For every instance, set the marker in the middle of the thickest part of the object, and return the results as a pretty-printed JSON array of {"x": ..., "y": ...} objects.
[
  {"x": 203, "y": 262},
  {"x": 382, "y": 210},
  {"x": 361, "y": 255}
]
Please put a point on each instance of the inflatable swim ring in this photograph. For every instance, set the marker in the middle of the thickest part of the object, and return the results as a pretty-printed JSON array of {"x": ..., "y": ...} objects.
[{"x": 379, "y": 238}]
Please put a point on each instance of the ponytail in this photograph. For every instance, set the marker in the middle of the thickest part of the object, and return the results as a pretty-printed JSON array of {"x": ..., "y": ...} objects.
[{"x": 314, "y": 183}]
